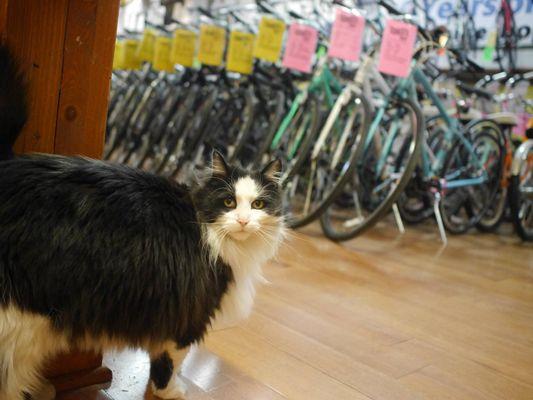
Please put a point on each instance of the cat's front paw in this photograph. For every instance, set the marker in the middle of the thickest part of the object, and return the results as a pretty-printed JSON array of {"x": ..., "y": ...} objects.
[{"x": 176, "y": 389}]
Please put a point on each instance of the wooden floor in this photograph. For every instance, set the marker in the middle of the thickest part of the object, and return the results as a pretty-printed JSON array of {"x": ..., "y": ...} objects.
[{"x": 385, "y": 316}]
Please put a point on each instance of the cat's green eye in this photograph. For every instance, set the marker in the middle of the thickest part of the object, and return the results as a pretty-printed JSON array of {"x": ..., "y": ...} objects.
[
  {"x": 229, "y": 202},
  {"x": 258, "y": 204}
]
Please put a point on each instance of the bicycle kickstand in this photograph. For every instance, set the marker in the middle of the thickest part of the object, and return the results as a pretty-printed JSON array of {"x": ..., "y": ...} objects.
[
  {"x": 398, "y": 218},
  {"x": 438, "y": 217}
]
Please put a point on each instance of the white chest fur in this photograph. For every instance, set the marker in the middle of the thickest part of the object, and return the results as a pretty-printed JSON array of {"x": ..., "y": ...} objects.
[
  {"x": 236, "y": 304},
  {"x": 246, "y": 260}
]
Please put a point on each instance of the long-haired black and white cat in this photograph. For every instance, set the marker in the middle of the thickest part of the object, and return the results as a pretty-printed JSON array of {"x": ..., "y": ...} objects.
[{"x": 97, "y": 256}]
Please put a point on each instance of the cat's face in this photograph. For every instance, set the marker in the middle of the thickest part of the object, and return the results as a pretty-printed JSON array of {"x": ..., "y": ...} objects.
[{"x": 240, "y": 204}]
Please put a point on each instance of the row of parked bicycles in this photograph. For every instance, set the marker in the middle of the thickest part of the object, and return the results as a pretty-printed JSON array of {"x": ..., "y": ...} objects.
[{"x": 356, "y": 144}]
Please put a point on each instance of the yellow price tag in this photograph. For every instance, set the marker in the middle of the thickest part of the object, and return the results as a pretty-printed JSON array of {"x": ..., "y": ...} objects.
[
  {"x": 146, "y": 49},
  {"x": 118, "y": 57},
  {"x": 130, "y": 60},
  {"x": 212, "y": 43},
  {"x": 184, "y": 47},
  {"x": 270, "y": 39},
  {"x": 162, "y": 60},
  {"x": 240, "y": 52}
]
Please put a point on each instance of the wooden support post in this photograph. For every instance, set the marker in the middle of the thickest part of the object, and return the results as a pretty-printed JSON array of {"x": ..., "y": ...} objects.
[
  {"x": 66, "y": 51},
  {"x": 65, "y": 48},
  {"x": 87, "y": 62}
]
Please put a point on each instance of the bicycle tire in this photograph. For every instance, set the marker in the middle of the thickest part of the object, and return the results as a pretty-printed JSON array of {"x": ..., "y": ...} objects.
[
  {"x": 355, "y": 149},
  {"x": 515, "y": 203},
  {"x": 449, "y": 211},
  {"x": 178, "y": 125},
  {"x": 326, "y": 222},
  {"x": 490, "y": 224},
  {"x": 522, "y": 206},
  {"x": 417, "y": 189}
]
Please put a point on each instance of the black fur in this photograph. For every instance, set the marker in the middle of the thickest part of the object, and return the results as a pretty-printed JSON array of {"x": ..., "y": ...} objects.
[
  {"x": 161, "y": 370},
  {"x": 13, "y": 108},
  {"x": 105, "y": 249}
]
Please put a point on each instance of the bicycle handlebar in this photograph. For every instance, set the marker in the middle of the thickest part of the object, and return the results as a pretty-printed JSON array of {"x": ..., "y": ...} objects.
[
  {"x": 473, "y": 90},
  {"x": 205, "y": 12},
  {"x": 267, "y": 8},
  {"x": 467, "y": 61},
  {"x": 390, "y": 8}
]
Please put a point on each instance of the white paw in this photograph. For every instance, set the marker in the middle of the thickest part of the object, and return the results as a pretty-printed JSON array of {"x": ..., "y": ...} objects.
[{"x": 176, "y": 389}]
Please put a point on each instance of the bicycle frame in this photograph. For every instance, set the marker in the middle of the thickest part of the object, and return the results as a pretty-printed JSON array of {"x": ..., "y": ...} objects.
[
  {"x": 451, "y": 134},
  {"x": 323, "y": 81}
]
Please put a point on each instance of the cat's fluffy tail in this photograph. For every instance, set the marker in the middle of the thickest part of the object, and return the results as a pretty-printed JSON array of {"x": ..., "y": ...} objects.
[{"x": 13, "y": 105}]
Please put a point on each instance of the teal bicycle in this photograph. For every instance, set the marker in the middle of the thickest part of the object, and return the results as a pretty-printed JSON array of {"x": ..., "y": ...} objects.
[
  {"x": 461, "y": 171},
  {"x": 317, "y": 148}
]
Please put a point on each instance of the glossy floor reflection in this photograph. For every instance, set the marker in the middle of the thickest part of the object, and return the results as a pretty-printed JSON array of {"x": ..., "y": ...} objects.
[{"x": 385, "y": 316}]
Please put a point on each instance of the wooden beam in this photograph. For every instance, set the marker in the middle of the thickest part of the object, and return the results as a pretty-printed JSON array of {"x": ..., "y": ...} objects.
[
  {"x": 3, "y": 21},
  {"x": 35, "y": 31},
  {"x": 87, "y": 63}
]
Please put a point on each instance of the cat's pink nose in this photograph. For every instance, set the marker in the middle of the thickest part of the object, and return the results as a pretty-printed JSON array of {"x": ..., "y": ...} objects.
[{"x": 243, "y": 221}]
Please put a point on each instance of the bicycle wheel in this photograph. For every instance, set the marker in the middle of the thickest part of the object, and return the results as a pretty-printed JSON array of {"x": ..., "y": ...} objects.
[
  {"x": 521, "y": 193},
  {"x": 120, "y": 119},
  {"x": 177, "y": 127},
  {"x": 309, "y": 190},
  {"x": 146, "y": 111},
  {"x": 463, "y": 206},
  {"x": 379, "y": 178},
  {"x": 415, "y": 203},
  {"x": 221, "y": 127},
  {"x": 495, "y": 213},
  {"x": 155, "y": 130}
]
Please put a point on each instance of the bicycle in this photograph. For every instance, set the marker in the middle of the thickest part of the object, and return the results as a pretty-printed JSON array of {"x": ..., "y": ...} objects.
[{"x": 454, "y": 171}]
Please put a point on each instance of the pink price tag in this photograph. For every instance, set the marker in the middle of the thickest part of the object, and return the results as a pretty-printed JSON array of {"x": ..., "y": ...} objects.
[
  {"x": 346, "y": 36},
  {"x": 397, "y": 47},
  {"x": 300, "y": 48}
]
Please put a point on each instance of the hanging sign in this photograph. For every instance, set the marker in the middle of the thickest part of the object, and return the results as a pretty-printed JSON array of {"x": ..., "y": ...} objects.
[
  {"x": 346, "y": 36},
  {"x": 269, "y": 39},
  {"x": 300, "y": 48},
  {"x": 145, "y": 51},
  {"x": 212, "y": 43},
  {"x": 129, "y": 54},
  {"x": 184, "y": 47},
  {"x": 162, "y": 60},
  {"x": 240, "y": 52},
  {"x": 397, "y": 47}
]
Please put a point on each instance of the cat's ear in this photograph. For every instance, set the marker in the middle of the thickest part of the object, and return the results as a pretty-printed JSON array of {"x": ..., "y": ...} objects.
[
  {"x": 272, "y": 171},
  {"x": 218, "y": 164}
]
